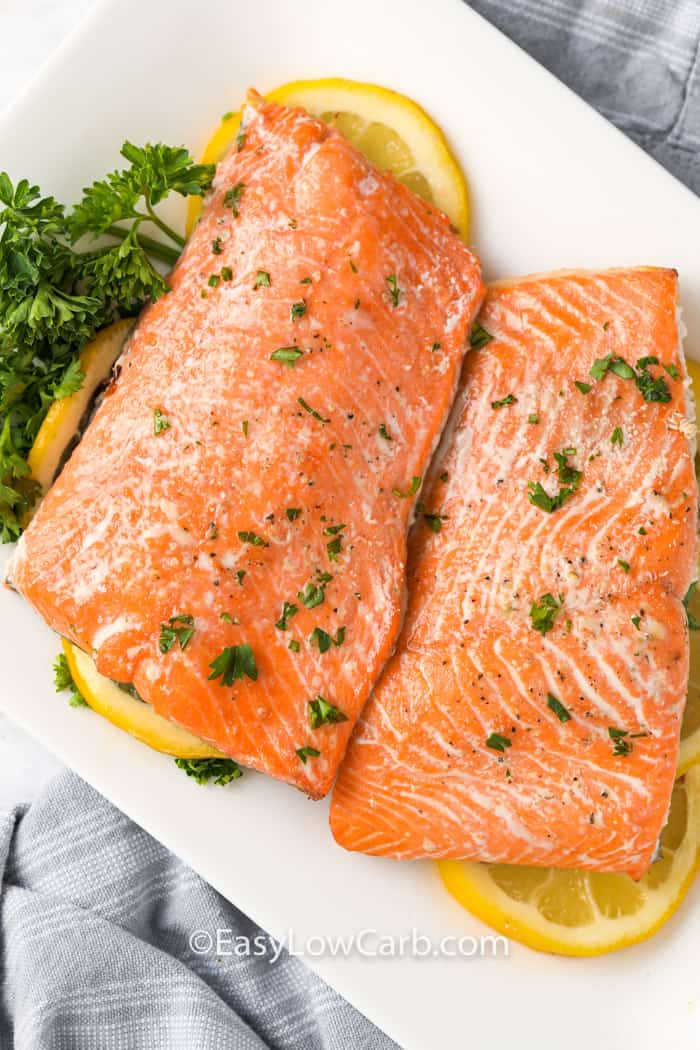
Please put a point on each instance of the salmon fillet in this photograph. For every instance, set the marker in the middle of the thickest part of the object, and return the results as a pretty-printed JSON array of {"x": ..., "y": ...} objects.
[
  {"x": 242, "y": 471},
  {"x": 531, "y": 712}
]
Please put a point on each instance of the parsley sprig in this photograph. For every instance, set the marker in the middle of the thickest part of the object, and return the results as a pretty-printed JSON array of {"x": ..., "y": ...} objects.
[{"x": 54, "y": 297}]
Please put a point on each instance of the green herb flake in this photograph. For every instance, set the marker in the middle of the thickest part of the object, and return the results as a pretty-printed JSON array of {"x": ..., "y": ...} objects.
[
  {"x": 509, "y": 399},
  {"x": 498, "y": 742},
  {"x": 179, "y": 628},
  {"x": 287, "y": 354},
  {"x": 63, "y": 679},
  {"x": 161, "y": 423},
  {"x": 321, "y": 639},
  {"x": 322, "y": 713},
  {"x": 252, "y": 538},
  {"x": 543, "y": 613},
  {"x": 617, "y": 437},
  {"x": 240, "y": 576},
  {"x": 288, "y": 611},
  {"x": 226, "y": 273},
  {"x": 312, "y": 411},
  {"x": 435, "y": 346},
  {"x": 384, "y": 433},
  {"x": 672, "y": 371},
  {"x": 304, "y": 753},
  {"x": 216, "y": 248},
  {"x": 412, "y": 489},
  {"x": 221, "y": 770},
  {"x": 314, "y": 593},
  {"x": 624, "y": 565},
  {"x": 533, "y": 418},
  {"x": 621, "y": 744},
  {"x": 233, "y": 663},
  {"x": 479, "y": 337},
  {"x": 569, "y": 477},
  {"x": 213, "y": 281},
  {"x": 240, "y": 141},
  {"x": 352, "y": 266},
  {"x": 244, "y": 427},
  {"x": 293, "y": 513},
  {"x": 262, "y": 279},
  {"x": 232, "y": 198},
  {"x": 444, "y": 477},
  {"x": 305, "y": 280},
  {"x": 637, "y": 620},
  {"x": 434, "y": 521},
  {"x": 584, "y": 388},
  {"x": 294, "y": 646},
  {"x": 394, "y": 291},
  {"x": 297, "y": 310},
  {"x": 558, "y": 708}
]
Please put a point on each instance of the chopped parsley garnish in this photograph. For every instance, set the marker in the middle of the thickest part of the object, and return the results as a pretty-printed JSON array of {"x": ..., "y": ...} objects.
[
  {"x": 322, "y": 713},
  {"x": 216, "y": 248},
  {"x": 652, "y": 389},
  {"x": 253, "y": 539},
  {"x": 444, "y": 476},
  {"x": 394, "y": 290},
  {"x": 63, "y": 679},
  {"x": 334, "y": 548},
  {"x": 543, "y": 613},
  {"x": 617, "y": 437},
  {"x": 305, "y": 280},
  {"x": 287, "y": 354},
  {"x": 436, "y": 346},
  {"x": 213, "y": 281},
  {"x": 304, "y": 753},
  {"x": 297, "y": 310},
  {"x": 294, "y": 646},
  {"x": 693, "y": 624},
  {"x": 384, "y": 433},
  {"x": 672, "y": 371},
  {"x": 240, "y": 575},
  {"x": 412, "y": 488},
  {"x": 240, "y": 141},
  {"x": 161, "y": 423},
  {"x": 323, "y": 640},
  {"x": 227, "y": 618},
  {"x": 315, "y": 591},
  {"x": 226, "y": 273},
  {"x": 621, "y": 745},
  {"x": 434, "y": 521},
  {"x": 244, "y": 427},
  {"x": 533, "y": 418},
  {"x": 220, "y": 770},
  {"x": 293, "y": 513},
  {"x": 479, "y": 337},
  {"x": 288, "y": 610},
  {"x": 178, "y": 629},
  {"x": 498, "y": 742},
  {"x": 636, "y": 620},
  {"x": 509, "y": 399},
  {"x": 585, "y": 388},
  {"x": 569, "y": 477},
  {"x": 624, "y": 565},
  {"x": 262, "y": 279},
  {"x": 312, "y": 411},
  {"x": 232, "y": 198},
  {"x": 558, "y": 708},
  {"x": 234, "y": 662}
]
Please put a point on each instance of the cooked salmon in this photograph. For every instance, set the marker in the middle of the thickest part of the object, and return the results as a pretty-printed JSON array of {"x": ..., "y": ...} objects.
[
  {"x": 230, "y": 534},
  {"x": 531, "y": 712}
]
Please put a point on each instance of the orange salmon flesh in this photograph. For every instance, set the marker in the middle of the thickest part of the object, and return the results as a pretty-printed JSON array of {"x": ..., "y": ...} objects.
[
  {"x": 301, "y": 368},
  {"x": 490, "y": 739}
]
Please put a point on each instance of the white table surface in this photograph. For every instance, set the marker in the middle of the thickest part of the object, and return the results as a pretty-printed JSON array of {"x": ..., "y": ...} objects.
[{"x": 29, "y": 31}]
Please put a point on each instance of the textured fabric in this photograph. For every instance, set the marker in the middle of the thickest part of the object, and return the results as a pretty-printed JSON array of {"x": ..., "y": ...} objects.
[
  {"x": 95, "y": 915},
  {"x": 96, "y": 920}
]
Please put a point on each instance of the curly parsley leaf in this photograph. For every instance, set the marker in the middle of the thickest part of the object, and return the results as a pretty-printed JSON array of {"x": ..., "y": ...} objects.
[{"x": 220, "y": 770}]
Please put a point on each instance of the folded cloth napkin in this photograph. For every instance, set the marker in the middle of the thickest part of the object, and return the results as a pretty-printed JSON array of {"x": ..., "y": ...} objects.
[
  {"x": 96, "y": 916},
  {"x": 96, "y": 920}
]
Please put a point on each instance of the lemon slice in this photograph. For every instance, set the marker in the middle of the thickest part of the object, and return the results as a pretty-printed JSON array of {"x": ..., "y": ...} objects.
[
  {"x": 392, "y": 131},
  {"x": 63, "y": 419},
  {"x": 136, "y": 717},
  {"x": 586, "y": 913}
]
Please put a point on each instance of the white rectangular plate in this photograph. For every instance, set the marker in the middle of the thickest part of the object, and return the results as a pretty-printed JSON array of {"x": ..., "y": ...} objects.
[{"x": 553, "y": 186}]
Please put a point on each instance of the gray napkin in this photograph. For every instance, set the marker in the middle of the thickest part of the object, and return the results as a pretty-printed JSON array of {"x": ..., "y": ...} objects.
[{"x": 95, "y": 915}]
